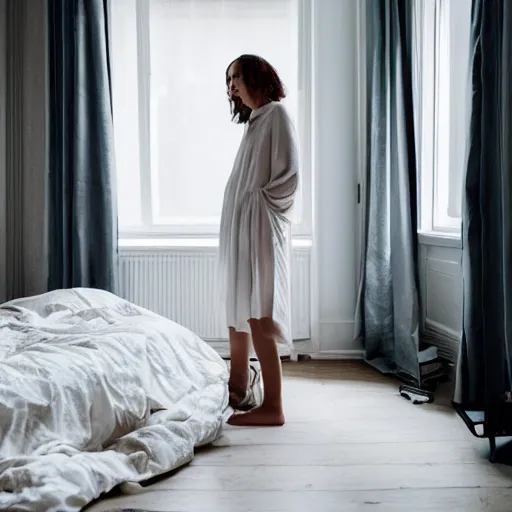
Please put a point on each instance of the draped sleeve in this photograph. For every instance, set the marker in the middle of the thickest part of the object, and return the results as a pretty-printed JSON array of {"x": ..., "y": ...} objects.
[{"x": 280, "y": 191}]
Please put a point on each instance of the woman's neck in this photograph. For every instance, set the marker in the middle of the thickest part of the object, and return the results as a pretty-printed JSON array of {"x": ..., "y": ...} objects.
[{"x": 258, "y": 103}]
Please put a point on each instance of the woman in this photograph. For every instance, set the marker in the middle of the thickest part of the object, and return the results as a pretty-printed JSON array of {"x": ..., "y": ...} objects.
[{"x": 255, "y": 235}]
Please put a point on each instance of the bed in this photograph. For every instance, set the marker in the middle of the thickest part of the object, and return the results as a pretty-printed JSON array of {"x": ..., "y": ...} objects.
[{"x": 95, "y": 393}]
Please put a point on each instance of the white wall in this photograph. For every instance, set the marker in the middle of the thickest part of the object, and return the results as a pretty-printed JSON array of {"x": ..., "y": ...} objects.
[
  {"x": 2, "y": 151},
  {"x": 335, "y": 161},
  {"x": 441, "y": 290}
]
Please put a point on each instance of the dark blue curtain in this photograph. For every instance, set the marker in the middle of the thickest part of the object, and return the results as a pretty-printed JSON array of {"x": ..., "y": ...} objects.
[
  {"x": 387, "y": 316},
  {"x": 485, "y": 359},
  {"x": 83, "y": 210}
]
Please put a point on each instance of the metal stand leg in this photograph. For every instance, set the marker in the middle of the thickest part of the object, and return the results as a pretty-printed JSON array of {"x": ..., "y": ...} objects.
[{"x": 492, "y": 444}]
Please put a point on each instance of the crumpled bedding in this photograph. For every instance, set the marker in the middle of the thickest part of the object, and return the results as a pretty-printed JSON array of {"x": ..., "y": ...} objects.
[{"x": 94, "y": 392}]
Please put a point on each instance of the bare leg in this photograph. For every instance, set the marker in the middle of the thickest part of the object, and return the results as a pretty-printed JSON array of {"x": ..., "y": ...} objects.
[
  {"x": 239, "y": 345},
  {"x": 270, "y": 413}
]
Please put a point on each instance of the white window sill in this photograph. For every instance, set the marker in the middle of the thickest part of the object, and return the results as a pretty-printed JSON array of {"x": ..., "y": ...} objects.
[
  {"x": 187, "y": 243},
  {"x": 440, "y": 239}
]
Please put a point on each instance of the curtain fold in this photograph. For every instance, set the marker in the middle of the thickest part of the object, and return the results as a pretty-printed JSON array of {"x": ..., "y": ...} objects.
[
  {"x": 484, "y": 371},
  {"x": 387, "y": 315},
  {"x": 83, "y": 210},
  {"x": 26, "y": 169}
]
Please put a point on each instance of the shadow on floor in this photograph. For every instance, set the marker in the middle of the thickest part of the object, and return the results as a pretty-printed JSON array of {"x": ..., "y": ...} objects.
[{"x": 503, "y": 451}]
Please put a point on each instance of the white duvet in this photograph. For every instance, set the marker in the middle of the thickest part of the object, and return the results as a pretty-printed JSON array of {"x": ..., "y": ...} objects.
[{"x": 94, "y": 392}]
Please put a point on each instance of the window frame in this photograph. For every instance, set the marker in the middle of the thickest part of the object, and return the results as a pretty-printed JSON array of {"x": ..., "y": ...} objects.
[
  {"x": 431, "y": 19},
  {"x": 209, "y": 228}
]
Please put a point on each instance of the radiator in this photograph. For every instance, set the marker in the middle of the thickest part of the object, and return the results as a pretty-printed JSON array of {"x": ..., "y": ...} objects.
[{"x": 179, "y": 284}]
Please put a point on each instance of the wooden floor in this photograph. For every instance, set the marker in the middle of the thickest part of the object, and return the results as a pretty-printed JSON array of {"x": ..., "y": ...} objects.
[{"x": 351, "y": 443}]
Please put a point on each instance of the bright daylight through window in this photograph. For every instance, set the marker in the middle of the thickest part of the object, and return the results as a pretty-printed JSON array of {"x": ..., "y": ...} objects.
[
  {"x": 443, "y": 92},
  {"x": 174, "y": 138}
]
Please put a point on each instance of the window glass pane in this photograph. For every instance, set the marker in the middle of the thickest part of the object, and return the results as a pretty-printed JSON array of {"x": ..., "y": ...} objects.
[
  {"x": 452, "y": 111},
  {"x": 442, "y": 114},
  {"x": 126, "y": 112},
  {"x": 193, "y": 140},
  {"x": 460, "y": 72}
]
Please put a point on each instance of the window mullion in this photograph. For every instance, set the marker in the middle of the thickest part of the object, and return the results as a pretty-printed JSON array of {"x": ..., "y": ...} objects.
[
  {"x": 437, "y": 74},
  {"x": 144, "y": 99},
  {"x": 427, "y": 80},
  {"x": 305, "y": 63}
]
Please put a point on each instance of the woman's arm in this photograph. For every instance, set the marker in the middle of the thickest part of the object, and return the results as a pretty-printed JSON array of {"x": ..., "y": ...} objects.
[{"x": 284, "y": 164}]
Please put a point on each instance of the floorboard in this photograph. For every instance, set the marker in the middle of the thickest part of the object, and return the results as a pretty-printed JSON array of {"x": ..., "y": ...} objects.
[{"x": 351, "y": 443}]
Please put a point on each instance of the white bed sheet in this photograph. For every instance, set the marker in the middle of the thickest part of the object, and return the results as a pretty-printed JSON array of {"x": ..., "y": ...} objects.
[{"x": 94, "y": 392}]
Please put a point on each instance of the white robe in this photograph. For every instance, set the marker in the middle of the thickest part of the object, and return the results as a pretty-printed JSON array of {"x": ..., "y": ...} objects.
[{"x": 255, "y": 234}]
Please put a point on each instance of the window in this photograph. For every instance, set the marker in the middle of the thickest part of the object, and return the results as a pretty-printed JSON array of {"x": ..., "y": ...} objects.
[
  {"x": 442, "y": 36},
  {"x": 174, "y": 139}
]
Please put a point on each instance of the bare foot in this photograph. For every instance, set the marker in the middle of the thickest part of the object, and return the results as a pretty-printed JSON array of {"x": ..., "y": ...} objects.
[
  {"x": 235, "y": 398},
  {"x": 260, "y": 417}
]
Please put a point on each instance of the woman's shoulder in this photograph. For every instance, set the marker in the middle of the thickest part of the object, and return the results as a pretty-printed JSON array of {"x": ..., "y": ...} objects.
[
  {"x": 280, "y": 115},
  {"x": 280, "y": 109},
  {"x": 282, "y": 121}
]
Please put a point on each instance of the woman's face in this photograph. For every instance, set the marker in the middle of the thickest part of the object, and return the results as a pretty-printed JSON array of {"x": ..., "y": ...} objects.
[{"x": 235, "y": 84}]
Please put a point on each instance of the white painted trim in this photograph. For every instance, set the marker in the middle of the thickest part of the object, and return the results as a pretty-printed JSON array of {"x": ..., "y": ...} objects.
[
  {"x": 144, "y": 86},
  {"x": 155, "y": 244},
  {"x": 362, "y": 157},
  {"x": 440, "y": 239},
  {"x": 425, "y": 107},
  {"x": 338, "y": 355},
  {"x": 441, "y": 255},
  {"x": 222, "y": 348},
  {"x": 315, "y": 270},
  {"x": 299, "y": 348},
  {"x": 305, "y": 106},
  {"x": 362, "y": 142}
]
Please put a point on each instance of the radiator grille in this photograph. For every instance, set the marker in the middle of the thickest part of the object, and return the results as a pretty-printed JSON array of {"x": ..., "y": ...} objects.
[{"x": 180, "y": 285}]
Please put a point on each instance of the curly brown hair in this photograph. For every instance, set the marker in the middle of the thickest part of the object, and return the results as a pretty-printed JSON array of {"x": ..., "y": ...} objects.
[{"x": 260, "y": 77}]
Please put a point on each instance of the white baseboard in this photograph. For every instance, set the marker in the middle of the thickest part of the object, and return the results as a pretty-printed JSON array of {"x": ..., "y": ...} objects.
[
  {"x": 338, "y": 355},
  {"x": 301, "y": 348},
  {"x": 222, "y": 348}
]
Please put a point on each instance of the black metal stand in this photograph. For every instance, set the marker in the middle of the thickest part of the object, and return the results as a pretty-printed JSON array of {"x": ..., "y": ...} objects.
[
  {"x": 491, "y": 427},
  {"x": 492, "y": 444}
]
